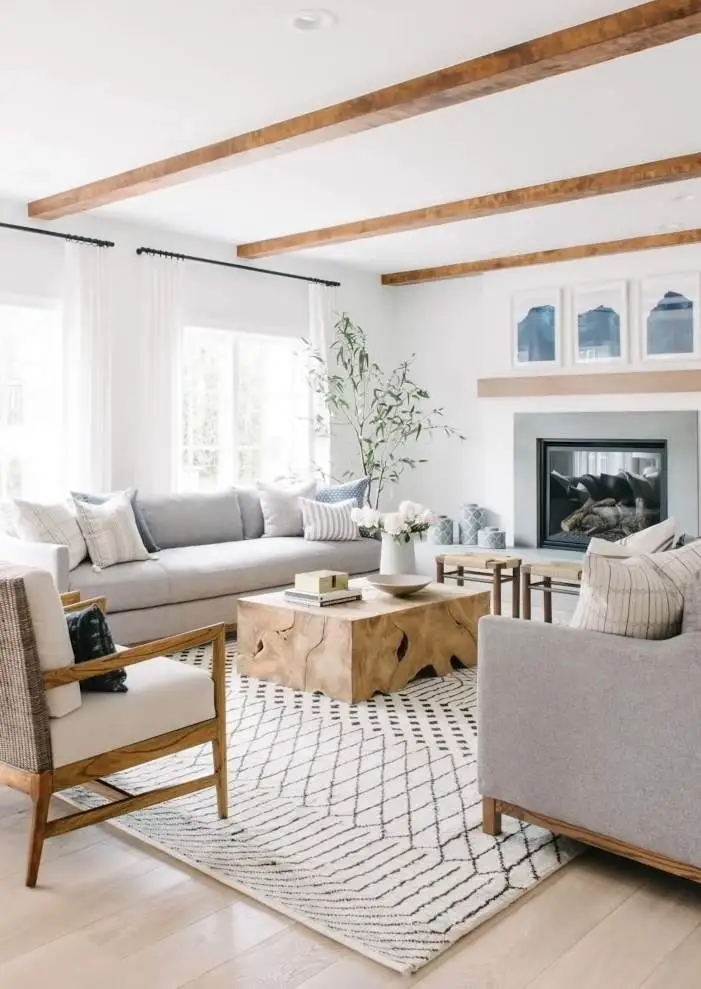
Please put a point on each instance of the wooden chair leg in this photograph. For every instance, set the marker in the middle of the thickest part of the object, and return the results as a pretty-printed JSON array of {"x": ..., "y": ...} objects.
[
  {"x": 219, "y": 752},
  {"x": 220, "y": 770},
  {"x": 41, "y": 798},
  {"x": 496, "y": 589},
  {"x": 526, "y": 591},
  {"x": 547, "y": 600},
  {"x": 516, "y": 592},
  {"x": 491, "y": 816}
]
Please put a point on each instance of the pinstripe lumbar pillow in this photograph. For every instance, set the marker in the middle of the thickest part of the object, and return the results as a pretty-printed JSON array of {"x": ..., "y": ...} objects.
[
  {"x": 110, "y": 531},
  {"x": 330, "y": 523},
  {"x": 641, "y": 597}
]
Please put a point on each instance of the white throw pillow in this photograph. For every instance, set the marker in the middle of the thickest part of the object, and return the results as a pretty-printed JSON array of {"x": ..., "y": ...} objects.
[
  {"x": 282, "y": 511},
  {"x": 110, "y": 531},
  {"x": 654, "y": 539},
  {"x": 641, "y": 597},
  {"x": 329, "y": 522},
  {"x": 37, "y": 523},
  {"x": 53, "y": 643}
]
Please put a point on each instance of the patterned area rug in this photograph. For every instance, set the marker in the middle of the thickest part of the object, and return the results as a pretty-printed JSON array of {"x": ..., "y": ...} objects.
[{"x": 362, "y": 821}]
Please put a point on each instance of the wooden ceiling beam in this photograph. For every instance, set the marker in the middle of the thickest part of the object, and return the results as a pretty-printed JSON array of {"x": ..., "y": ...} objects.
[
  {"x": 546, "y": 194},
  {"x": 636, "y": 29},
  {"x": 465, "y": 269}
]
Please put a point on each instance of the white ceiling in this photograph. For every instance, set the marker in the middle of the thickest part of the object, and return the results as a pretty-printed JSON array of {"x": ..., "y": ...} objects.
[{"x": 89, "y": 89}]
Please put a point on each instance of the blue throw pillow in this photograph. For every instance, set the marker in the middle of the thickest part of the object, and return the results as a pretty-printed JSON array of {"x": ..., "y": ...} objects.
[
  {"x": 356, "y": 490},
  {"x": 141, "y": 524}
]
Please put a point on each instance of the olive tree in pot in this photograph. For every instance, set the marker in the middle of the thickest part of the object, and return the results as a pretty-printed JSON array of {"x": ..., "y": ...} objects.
[{"x": 385, "y": 412}]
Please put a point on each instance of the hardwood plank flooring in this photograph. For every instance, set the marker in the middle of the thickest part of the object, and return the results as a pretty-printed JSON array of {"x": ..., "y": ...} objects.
[{"x": 112, "y": 914}]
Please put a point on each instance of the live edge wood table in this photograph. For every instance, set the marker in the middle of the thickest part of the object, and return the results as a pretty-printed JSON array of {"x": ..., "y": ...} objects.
[
  {"x": 351, "y": 651},
  {"x": 549, "y": 578},
  {"x": 483, "y": 568}
]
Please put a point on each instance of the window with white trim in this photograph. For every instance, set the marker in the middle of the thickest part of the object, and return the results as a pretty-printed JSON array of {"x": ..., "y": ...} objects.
[
  {"x": 31, "y": 401},
  {"x": 245, "y": 409}
]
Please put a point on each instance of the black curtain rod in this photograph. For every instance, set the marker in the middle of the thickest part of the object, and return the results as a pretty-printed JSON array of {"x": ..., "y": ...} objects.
[
  {"x": 55, "y": 233},
  {"x": 230, "y": 264}
]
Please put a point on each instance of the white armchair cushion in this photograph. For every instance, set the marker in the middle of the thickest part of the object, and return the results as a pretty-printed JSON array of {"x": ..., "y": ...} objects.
[
  {"x": 53, "y": 643},
  {"x": 163, "y": 695}
]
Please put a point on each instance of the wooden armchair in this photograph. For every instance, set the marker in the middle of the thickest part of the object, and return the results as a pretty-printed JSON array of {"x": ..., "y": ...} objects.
[{"x": 53, "y": 738}]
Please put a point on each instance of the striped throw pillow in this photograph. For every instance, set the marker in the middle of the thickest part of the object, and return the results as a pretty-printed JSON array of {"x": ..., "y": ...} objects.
[
  {"x": 641, "y": 597},
  {"x": 110, "y": 531},
  {"x": 329, "y": 523}
]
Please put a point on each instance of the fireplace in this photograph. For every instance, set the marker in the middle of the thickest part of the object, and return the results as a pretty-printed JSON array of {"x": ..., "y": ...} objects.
[{"x": 604, "y": 488}]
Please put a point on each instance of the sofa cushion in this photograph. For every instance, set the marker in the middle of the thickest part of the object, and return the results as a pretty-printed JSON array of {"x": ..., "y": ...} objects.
[
  {"x": 110, "y": 531},
  {"x": 282, "y": 511},
  {"x": 100, "y": 499},
  {"x": 55, "y": 524},
  {"x": 251, "y": 512},
  {"x": 91, "y": 639},
  {"x": 142, "y": 584},
  {"x": 196, "y": 572},
  {"x": 355, "y": 490},
  {"x": 163, "y": 695},
  {"x": 653, "y": 539},
  {"x": 195, "y": 519},
  {"x": 193, "y": 573},
  {"x": 329, "y": 521},
  {"x": 641, "y": 597}
]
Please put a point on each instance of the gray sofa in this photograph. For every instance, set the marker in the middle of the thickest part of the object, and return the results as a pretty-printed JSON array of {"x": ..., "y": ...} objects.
[
  {"x": 212, "y": 552},
  {"x": 595, "y": 732}
]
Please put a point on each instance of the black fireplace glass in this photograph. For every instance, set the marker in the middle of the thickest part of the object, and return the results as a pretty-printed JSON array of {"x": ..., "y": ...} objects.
[{"x": 594, "y": 488}]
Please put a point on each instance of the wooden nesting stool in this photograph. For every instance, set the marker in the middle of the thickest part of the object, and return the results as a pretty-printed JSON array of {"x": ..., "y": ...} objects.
[
  {"x": 483, "y": 568},
  {"x": 556, "y": 577}
]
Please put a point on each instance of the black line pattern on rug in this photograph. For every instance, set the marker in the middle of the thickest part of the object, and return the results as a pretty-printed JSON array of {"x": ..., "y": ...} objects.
[{"x": 362, "y": 820}]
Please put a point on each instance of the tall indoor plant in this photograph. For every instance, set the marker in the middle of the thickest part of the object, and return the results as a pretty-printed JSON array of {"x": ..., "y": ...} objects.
[{"x": 386, "y": 412}]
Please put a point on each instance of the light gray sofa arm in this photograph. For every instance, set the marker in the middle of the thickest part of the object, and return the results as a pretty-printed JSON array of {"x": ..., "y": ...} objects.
[
  {"x": 596, "y": 730},
  {"x": 44, "y": 556}
]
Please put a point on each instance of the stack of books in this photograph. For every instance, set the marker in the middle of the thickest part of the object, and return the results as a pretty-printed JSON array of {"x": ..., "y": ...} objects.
[
  {"x": 321, "y": 588},
  {"x": 322, "y": 600}
]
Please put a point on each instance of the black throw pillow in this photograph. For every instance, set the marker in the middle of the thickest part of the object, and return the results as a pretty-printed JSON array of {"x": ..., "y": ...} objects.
[{"x": 91, "y": 639}]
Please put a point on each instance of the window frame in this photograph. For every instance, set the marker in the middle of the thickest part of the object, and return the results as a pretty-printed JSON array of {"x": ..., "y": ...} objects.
[{"x": 230, "y": 448}]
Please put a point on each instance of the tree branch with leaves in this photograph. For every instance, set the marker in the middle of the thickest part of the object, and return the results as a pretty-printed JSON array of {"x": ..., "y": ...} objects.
[{"x": 385, "y": 412}]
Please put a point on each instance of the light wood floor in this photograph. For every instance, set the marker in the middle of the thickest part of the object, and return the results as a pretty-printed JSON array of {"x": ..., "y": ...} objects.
[{"x": 111, "y": 913}]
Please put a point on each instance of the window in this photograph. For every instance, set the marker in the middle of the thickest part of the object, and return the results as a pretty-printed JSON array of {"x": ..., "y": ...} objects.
[
  {"x": 245, "y": 404},
  {"x": 30, "y": 401}
]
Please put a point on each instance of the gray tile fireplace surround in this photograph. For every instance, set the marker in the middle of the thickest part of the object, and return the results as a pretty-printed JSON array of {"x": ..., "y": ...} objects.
[{"x": 679, "y": 429}]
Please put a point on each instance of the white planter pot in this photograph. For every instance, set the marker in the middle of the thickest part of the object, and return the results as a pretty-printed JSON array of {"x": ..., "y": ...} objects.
[{"x": 397, "y": 556}]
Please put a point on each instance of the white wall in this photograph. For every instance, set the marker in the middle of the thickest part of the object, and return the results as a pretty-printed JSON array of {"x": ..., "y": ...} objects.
[
  {"x": 31, "y": 267},
  {"x": 461, "y": 332}
]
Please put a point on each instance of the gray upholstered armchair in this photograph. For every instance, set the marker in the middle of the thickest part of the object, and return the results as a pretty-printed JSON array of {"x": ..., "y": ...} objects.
[
  {"x": 593, "y": 736},
  {"x": 52, "y": 737}
]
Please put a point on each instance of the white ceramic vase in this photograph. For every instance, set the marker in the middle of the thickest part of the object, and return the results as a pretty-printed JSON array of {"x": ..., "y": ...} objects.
[{"x": 397, "y": 555}]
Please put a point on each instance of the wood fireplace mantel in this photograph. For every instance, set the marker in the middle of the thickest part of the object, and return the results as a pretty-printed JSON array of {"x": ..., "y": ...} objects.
[{"x": 618, "y": 383}]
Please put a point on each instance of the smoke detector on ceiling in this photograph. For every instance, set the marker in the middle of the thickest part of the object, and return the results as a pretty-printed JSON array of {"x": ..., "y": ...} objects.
[{"x": 314, "y": 19}]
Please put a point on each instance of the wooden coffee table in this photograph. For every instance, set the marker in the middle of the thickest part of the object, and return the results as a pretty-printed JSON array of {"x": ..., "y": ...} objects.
[{"x": 351, "y": 651}]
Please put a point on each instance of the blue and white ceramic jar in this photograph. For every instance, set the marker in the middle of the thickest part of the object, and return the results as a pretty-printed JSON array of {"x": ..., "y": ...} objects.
[
  {"x": 441, "y": 534},
  {"x": 470, "y": 524},
  {"x": 491, "y": 537}
]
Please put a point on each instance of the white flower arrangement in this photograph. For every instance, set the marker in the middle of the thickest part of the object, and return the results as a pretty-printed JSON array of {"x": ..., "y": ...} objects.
[{"x": 409, "y": 519}]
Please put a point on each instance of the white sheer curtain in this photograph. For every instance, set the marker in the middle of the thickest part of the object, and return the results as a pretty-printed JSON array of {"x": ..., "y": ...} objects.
[
  {"x": 160, "y": 359},
  {"x": 87, "y": 355},
  {"x": 321, "y": 320}
]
